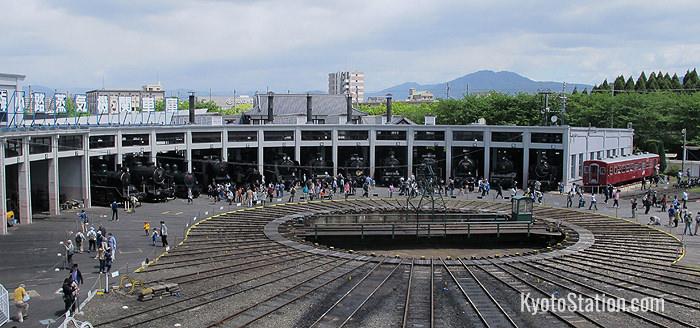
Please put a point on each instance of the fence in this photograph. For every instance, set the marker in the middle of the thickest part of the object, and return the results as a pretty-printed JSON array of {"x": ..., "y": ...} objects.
[{"x": 4, "y": 306}]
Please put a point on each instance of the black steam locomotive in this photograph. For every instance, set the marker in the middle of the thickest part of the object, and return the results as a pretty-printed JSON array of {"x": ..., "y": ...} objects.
[
  {"x": 390, "y": 171},
  {"x": 545, "y": 173},
  {"x": 151, "y": 182},
  {"x": 356, "y": 170},
  {"x": 211, "y": 171},
  {"x": 244, "y": 174},
  {"x": 107, "y": 186},
  {"x": 317, "y": 167},
  {"x": 285, "y": 170},
  {"x": 181, "y": 182},
  {"x": 466, "y": 172},
  {"x": 504, "y": 173}
]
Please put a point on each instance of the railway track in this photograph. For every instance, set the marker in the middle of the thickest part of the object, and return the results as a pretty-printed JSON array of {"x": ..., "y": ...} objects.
[{"x": 232, "y": 269}]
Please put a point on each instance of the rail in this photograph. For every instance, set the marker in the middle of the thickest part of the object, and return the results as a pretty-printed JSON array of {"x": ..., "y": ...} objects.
[{"x": 420, "y": 228}]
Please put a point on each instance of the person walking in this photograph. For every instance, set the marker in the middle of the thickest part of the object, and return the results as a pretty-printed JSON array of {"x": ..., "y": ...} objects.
[
  {"x": 616, "y": 199},
  {"x": 664, "y": 203},
  {"x": 79, "y": 238},
  {"x": 21, "y": 300},
  {"x": 92, "y": 239},
  {"x": 647, "y": 205},
  {"x": 112, "y": 243},
  {"x": 685, "y": 199},
  {"x": 189, "y": 196},
  {"x": 164, "y": 233},
  {"x": 688, "y": 220},
  {"x": 499, "y": 190},
  {"x": 69, "y": 288},
  {"x": 569, "y": 199},
  {"x": 115, "y": 212},
  {"x": 70, "y": 250},
  {"x": 82, "y": 216},
  {"x": 147, "y": 227},
  {"x": 154, "y": 236},
  {"x": 594, "y": 203},
  {"x": 292, "y": 193},
  {"x": 634, "y": 207},
  {"x": 697, "y": 223},
  {"x": 101, "y": 257}
]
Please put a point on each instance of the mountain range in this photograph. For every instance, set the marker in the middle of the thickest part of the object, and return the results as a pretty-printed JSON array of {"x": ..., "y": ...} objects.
[{"x": 479, "y": 82}]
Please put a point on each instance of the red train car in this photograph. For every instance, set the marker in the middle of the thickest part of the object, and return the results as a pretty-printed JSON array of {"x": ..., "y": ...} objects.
[{"x": 619, "y": 170}]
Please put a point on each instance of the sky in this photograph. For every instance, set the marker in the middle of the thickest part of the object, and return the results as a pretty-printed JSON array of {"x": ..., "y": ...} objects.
[{"x": 293, "y": 45}]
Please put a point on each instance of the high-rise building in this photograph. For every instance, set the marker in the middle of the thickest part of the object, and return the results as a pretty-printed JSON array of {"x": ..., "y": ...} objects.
[{"x": 352, "y": 83}]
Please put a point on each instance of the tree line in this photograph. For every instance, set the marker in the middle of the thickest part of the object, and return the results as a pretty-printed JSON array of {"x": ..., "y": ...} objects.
[
  {"x": 656, "y": 117},
  {"x": 655, "y": 82}
]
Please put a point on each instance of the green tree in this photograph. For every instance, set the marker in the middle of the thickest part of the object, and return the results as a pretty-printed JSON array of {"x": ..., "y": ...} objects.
[
  {"x": 676, "y": 83},
  {"x": 629, "y": 85},
  {"x": 619, "y": 84},
  {"x": 652, "y": 84},
  {"x": 641, "y": 85},
  {"x": 575, "y": 91}
]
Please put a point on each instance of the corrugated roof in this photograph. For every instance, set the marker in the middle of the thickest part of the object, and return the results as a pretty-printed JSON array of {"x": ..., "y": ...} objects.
[
  {"x": 624, "y": 158},
  {"x": 295, "y": 104}
]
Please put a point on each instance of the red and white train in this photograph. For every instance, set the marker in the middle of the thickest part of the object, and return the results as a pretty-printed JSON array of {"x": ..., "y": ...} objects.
[{"x": 619, "y": 170}]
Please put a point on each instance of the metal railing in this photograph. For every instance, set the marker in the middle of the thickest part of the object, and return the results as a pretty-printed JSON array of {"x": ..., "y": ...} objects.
[
  {"x": 425, "y": 229},
  {"x": 4, "y": 306}
]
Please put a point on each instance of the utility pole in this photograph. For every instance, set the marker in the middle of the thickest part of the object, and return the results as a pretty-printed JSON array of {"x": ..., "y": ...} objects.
[
  {"x": 563, "y": 98},
  {"x": 448, "y": 90},
  {"x": 545, "y": 111},
  {"x": 685, "y": 135}
]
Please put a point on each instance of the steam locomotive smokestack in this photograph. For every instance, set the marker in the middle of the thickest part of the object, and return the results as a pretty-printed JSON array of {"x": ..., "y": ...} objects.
[
  {"x": 309, "y": 117},
  {"x": 388, "y": 109},
  {"x": 348, "y": 103},
  {"x": 270, "y": 99},
  {"x": 191, "y": 107}
]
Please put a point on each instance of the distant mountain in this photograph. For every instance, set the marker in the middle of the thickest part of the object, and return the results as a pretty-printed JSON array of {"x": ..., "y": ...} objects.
[
  {"x": 50, "y": 91},
  {"x": 480, "y": 82}
]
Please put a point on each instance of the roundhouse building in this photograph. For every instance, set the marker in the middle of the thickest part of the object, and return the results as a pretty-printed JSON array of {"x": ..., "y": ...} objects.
[{"x": 43, "y": 166}]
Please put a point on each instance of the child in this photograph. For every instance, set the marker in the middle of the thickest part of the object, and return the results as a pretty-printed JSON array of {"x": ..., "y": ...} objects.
[
  {"x": 146, "y": 227},
  {"x": 154, "y": 236}
]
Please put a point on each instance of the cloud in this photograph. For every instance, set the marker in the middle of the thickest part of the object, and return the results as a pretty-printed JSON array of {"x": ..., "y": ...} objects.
[{"x": 294, "y": 44}]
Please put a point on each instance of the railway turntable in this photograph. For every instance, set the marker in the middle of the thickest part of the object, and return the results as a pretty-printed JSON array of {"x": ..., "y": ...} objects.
[{"x": 260, "y": 267}]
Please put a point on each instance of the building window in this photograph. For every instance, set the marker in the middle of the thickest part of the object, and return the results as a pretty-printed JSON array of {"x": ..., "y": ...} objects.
[
  {"x": 101, "y": 142},
  {"x": 572, "y": 174},
  {"x": 607, "y": 153},
  {"x": 591, "y": 156},
  {"x": 279, "y": 135},
  {"x": 68, "y": 143},
  {"x": 622, "y": 151},
  {"x": 507, "y": 137},
  {"x": 242, "y": 136},
  {"x": 580, "y": 163},
  {"x": 129, "y": 140},
  {"x": 353, "y": 135},
  {"x": 13, "y": 147},
  {"x": 206, "y": 137},
  {"x": 315, "y": 135},
  {"x": 429, "y": 135},
  {"x": 554, "y": 138},
  {"x": 170, "y": 138},
  {"x": 600, "y": 154},
  {"x": 468, "y": 136},
  {"x": 40, "y": 145},
  {"x": 391, "y": 135}
]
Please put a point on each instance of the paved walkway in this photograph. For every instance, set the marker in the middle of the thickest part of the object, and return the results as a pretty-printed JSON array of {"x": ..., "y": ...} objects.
[{"x": 29, "y": 254}]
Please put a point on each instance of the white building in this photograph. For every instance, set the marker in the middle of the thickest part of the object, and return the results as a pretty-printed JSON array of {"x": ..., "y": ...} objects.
[{"x": 347, "y": 82}]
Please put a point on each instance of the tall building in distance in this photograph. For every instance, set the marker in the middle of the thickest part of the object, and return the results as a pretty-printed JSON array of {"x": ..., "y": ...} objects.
[{"x": 347, "y": 82}]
